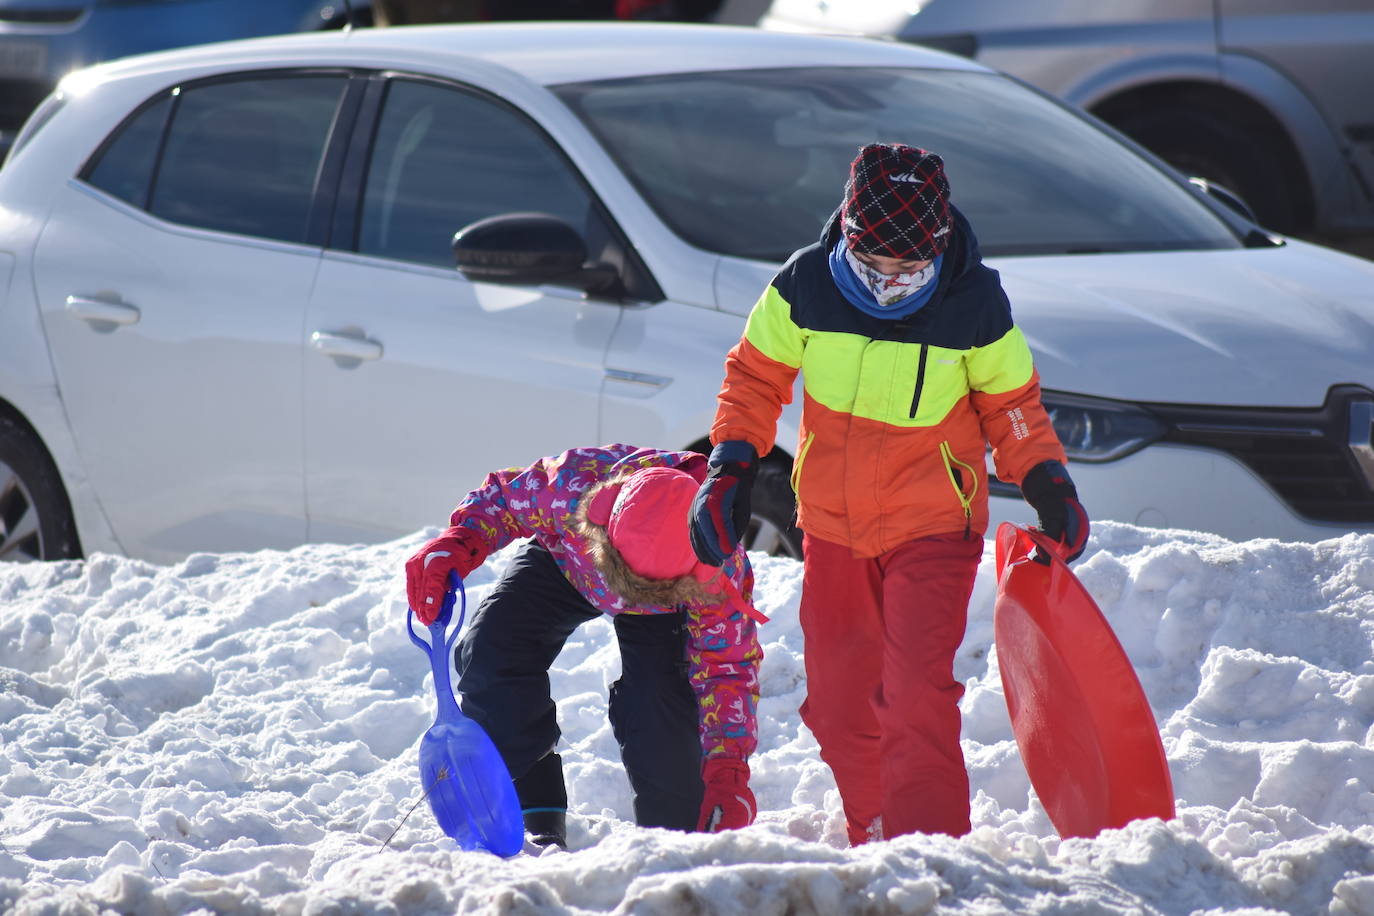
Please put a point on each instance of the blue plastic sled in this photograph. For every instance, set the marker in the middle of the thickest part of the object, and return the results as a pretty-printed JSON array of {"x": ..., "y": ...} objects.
[{"x": 462, "y": 773}]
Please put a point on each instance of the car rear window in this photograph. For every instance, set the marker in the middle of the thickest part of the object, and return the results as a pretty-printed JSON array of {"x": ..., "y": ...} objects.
[
  {"x": 125, "y": 167},
  {"x": 752, "y": 162},
  {"x": 239, "y": 155},
  {"x": 242, "y": 156}
]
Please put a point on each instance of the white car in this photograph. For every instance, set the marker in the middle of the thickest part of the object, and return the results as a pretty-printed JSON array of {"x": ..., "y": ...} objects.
[{"x": 230, "y": 316}]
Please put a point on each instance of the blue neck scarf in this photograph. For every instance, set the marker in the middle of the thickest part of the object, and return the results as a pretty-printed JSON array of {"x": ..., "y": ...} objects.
[{"x": 862, "y": 299}]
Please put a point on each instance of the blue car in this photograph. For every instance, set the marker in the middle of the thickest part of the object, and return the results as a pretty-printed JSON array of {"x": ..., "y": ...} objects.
[{"x": 43, "y": 40}]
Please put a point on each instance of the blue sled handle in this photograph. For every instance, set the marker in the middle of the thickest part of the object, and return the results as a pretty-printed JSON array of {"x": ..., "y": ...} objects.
[{"x": 438, "y": 658}]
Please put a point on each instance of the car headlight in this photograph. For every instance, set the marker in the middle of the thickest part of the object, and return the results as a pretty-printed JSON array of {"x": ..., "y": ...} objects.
[{"x": 1097, "y": 430}]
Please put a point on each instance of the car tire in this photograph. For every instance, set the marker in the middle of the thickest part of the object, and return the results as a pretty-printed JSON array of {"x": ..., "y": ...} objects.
[
  {"x": 1205, "y": 144},
  {"x": 35, "y": 516},
  {"x": 773, "y": 527}
]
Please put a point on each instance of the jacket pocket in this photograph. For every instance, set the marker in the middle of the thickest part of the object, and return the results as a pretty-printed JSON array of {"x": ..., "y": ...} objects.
[{"x": 955, "y": 471}]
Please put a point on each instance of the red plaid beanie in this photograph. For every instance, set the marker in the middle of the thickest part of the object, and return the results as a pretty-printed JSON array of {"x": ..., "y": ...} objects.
[{"x": 896, "y": 203}]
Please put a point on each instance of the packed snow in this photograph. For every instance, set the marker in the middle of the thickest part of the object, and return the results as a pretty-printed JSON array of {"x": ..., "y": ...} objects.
[{"x": 238, "y": 733}]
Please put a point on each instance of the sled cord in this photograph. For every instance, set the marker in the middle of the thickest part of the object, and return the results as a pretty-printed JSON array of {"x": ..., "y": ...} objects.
[{"x": 443, "y": 774}]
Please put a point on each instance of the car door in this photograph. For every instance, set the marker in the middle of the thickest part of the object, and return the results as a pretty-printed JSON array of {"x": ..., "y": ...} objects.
[
  {"x": 173, "y": 306},
  {"x": 417, "y": 381}
]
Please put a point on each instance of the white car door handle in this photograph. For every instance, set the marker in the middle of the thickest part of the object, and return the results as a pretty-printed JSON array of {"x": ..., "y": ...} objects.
[
  {"x": 88, "y": 309},
  {"x": 345, "y": 346}
]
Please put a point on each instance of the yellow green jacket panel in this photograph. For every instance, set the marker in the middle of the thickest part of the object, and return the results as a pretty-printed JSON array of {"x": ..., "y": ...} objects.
[{"x": 897, "y": 415}]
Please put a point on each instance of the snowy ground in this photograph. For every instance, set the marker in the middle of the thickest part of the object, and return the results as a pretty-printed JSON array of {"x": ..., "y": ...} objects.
[{"x": 238, "y": 734}]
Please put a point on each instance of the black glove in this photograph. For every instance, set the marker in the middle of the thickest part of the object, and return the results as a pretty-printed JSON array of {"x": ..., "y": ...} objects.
[
  {"x": 720, "y": 511},
  {"x": 1051, "y": 493}
]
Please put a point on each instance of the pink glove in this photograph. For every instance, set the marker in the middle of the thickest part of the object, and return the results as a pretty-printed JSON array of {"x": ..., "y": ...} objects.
[
  {"x": 458, "y": 550},
  {"x": 728, "y": 802}
]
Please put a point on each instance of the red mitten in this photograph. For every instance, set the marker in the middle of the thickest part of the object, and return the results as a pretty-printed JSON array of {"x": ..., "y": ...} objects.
[
  {"x": 728, "y": 802},
  {"x": 457, "y": 550}
]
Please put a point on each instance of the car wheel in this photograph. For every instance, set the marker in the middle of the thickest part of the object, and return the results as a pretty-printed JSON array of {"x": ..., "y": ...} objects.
[
  {"x": 773, "y": 527},
  {"x": 1239, "y": 158},
  {"x": 35, "y": 517}
]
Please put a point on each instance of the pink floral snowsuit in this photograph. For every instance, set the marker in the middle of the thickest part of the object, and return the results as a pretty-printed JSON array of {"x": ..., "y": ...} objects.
[{"x": 723, "y": 649}]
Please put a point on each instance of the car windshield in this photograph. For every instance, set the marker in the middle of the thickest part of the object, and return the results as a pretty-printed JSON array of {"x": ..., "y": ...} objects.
[{"x": 750, "y": 163}]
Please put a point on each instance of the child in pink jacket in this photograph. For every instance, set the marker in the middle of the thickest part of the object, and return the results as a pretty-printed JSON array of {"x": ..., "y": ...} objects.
[{"x": 608, "y": 533}]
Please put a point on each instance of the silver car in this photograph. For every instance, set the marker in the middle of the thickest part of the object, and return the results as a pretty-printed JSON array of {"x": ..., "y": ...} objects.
[
  {"x": 233, "y": 313},
  {"x": 1269, "y": 98}
]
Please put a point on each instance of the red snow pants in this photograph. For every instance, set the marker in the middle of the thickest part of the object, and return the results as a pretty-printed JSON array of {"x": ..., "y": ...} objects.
[{"x": 880, "y": 638}]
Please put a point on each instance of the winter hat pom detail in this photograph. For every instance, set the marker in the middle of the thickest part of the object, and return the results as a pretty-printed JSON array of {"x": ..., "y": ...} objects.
[
  {"x": 896, "y": 203},
  {"x": 599, "y": 509}
]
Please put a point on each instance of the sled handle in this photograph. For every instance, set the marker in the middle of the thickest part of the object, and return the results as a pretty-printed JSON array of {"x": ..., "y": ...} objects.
[
  {"x": 436, "y": 629},
  {"x": 1013, "y": 551},
  {"x": 438, "y": 660}
]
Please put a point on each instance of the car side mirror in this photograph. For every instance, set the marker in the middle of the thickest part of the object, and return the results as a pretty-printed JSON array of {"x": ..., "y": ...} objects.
[{"x": 529, "y": 249}]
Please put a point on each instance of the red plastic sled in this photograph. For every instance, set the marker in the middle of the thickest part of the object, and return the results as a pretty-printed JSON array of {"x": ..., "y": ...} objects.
[{"x": 1081, "y": 720}]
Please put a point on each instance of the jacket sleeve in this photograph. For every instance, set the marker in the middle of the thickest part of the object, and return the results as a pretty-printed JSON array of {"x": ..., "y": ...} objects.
[
  {"x": 724, "y": 656},
  {"x": 1005, "y": 392},
  {"x": 759, "y": 372}
]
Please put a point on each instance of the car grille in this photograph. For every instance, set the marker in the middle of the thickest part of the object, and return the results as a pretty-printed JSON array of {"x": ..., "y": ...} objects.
[{"x": 1319, "y": 461}]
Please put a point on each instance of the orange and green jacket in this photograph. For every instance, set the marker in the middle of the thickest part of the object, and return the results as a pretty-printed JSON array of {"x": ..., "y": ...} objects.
[{"x": 897, "y": 414}]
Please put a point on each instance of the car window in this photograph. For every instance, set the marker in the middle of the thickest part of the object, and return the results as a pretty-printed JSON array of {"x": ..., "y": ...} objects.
[
  {"x": 751, "y": 163},
  {"x": 124, "y": 167},
  {"x": 242, "y": 156},
  {"x": 444, "y": 158}
]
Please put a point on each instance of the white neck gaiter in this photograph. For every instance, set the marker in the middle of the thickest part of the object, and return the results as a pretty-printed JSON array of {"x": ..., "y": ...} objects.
[{"x": 889, "y": 289}]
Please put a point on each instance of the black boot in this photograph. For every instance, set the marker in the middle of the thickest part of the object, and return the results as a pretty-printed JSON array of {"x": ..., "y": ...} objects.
[
  {"x": 544, "y": 801},
  {"x": 547, "y": 826}
]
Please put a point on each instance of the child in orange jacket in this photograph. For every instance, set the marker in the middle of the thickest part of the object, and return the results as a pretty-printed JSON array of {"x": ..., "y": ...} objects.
[{"x": 912, "y": 366}]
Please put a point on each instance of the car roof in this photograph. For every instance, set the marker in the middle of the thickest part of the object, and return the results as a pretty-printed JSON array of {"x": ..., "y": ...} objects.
[{"x": 550, "y": 53}]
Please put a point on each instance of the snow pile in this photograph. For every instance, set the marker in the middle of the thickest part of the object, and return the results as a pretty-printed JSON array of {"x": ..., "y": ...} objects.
[{"x": 239, "y": 733}]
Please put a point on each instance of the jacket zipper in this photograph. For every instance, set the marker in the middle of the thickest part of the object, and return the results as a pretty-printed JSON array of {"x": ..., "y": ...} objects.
[
  {"x": 920, "y": 380},
  {"x": 954, "y": 481},
  {"x": 797, "y": 465}
]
